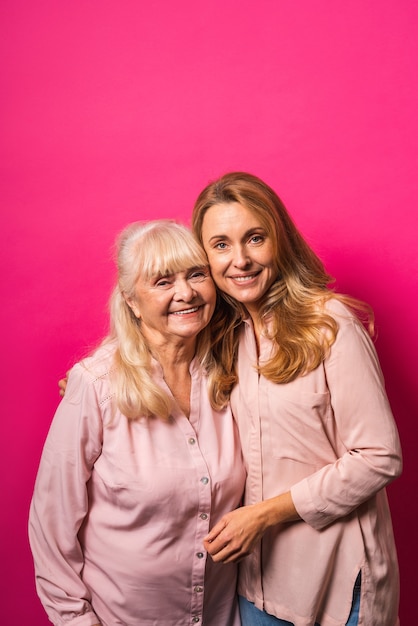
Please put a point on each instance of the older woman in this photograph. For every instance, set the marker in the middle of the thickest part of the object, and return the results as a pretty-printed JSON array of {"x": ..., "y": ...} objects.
[
  {"x": 138, "y": 464},
  {"x": 318, "y": 436}
]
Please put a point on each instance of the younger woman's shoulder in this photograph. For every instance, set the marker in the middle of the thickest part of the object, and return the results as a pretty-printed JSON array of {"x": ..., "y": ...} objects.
[
  {"x": 353, "y": 320},
  {"x": 335, "y": 306},
  {"x": 340, "y": 311}
]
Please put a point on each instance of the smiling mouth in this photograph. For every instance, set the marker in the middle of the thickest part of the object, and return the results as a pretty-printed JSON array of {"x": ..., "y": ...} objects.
[
  {"x": 185, "y": 311},
  {"x": 244, "y": 279}
]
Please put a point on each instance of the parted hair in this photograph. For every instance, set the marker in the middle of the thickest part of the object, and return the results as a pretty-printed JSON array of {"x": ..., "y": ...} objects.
[
  {"x": 301, "y": 330},
  {"x": 147, "y": 249}
]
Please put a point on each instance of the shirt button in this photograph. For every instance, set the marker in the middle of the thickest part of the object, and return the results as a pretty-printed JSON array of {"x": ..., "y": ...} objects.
[
  {"x": 204, "y": 480},
  {"x": 192, "y": 441},
  {"x": 200, "y": 555},
  {"x": 203, "y": 516},
  {"x": 198, "y": 589}
]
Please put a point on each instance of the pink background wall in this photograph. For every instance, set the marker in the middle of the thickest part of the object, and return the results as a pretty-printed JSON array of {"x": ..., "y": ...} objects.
[{"x": 117, "y": 111}]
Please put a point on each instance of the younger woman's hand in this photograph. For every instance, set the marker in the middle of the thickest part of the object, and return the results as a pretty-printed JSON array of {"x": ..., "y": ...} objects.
[
  {"x": 235, "y": 536},
  {"x": 62, "y": 384}
]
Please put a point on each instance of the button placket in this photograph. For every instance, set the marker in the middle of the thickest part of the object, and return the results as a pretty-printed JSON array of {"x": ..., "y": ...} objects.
[{"x": 204, "y": 491}]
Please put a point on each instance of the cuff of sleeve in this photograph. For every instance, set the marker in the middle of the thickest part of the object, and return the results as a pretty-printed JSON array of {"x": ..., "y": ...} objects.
[
  {"x": 305, "y": 506},
  {"x": 88, "y": 619}
]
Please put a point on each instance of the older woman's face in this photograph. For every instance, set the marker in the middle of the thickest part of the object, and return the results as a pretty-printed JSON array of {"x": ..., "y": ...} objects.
[
  {"x": 240, "y": 252},
  {"x": 175, "y": 307}
]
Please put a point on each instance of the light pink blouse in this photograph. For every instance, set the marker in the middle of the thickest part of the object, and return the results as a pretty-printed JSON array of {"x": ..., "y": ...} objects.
[
  {"x": 331, "y": 439},
  {"x": 120, "y": 509}
]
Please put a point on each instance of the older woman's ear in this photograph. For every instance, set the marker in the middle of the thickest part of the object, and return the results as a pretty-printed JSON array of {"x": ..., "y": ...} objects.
[{"x": 133, "y": 305}]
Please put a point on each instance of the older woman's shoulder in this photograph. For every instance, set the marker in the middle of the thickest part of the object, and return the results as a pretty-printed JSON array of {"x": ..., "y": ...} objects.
[
  {"x": 92, "y": 374},
  {"x": 100, "y": 362}
]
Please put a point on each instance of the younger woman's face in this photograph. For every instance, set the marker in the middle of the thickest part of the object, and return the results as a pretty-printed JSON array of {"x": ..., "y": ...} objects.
[{"x": 240, "y": 253}]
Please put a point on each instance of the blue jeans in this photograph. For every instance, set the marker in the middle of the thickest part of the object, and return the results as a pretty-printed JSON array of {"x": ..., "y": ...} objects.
[{"x": 251, "y": 616}]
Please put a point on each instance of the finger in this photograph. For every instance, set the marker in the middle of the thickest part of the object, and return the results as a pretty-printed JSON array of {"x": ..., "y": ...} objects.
[
  {"x": 213, "y": 548},
  {"x": 218, "y": 542},
  {"x": 221, "y": 547},
  {"x": 215, "y": 532},
  {"x": 228, "y": 555}
]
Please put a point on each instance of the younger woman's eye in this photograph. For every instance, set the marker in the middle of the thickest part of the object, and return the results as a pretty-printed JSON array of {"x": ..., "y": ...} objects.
[
  {"x": 220, "y": 246},
  {"x": 257, "y": 238}
]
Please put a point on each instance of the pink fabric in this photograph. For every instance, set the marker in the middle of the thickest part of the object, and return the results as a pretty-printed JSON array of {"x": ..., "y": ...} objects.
[
  {"x": 120, "y": 509},
  {"x": 331, "y": 439}
]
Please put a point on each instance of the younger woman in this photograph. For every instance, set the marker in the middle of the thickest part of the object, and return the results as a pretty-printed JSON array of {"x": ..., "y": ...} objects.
[{"x": 320, "y": 444}]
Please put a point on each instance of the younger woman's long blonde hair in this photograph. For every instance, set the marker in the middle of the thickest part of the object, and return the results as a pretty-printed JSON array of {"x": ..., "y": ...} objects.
[
  {"x": 147, "y": 249},
  {"x": 299, "y": 326}
]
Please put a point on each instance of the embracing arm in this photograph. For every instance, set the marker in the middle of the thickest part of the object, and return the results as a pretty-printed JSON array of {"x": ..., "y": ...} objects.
[{"x": 60, "y": 504}]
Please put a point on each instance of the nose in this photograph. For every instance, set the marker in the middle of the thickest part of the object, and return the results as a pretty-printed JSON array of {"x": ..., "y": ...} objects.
[
  {"x": 241, "y": 258},
  {"x": 184, "y": 290}
]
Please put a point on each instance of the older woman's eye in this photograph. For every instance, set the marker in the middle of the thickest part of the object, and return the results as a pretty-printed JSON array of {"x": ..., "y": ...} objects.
[
  {"x": 163, "y": 282},
  {"x": 199, "y": 274},
  {"x": 221, "y": 245},
  {"x": 257, "y": 239}
]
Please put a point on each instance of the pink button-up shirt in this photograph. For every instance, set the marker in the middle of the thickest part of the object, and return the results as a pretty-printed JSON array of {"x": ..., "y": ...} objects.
[
  {"x": 120, "y": 509},
  {"x": 330, "y": 438}
]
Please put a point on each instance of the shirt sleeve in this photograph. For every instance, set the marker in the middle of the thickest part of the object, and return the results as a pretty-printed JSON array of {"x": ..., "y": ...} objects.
[
  {"x": 60, "y": 502},
  {"x": 365, "y": 428}
]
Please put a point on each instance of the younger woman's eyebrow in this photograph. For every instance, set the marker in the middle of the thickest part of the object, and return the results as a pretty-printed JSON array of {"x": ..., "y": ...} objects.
[
  {"x": 250, "y": 231},
  {"x": 218, "y": 237}
]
